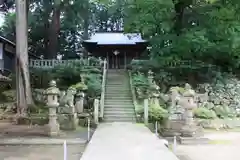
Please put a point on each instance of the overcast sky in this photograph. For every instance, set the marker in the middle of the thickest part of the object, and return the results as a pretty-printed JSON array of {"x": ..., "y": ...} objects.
[{"x": 1, "y": 19}]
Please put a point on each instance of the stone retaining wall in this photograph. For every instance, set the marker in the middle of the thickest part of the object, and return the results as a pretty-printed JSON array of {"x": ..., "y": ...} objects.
[{"x": 218, "y": 123}]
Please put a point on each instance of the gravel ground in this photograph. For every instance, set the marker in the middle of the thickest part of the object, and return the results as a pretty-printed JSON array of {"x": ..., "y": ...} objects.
[
  {"x": 44, "y": 152},
  {"x": 225, "y": 146},
  {"x": 209, "y": 152}
]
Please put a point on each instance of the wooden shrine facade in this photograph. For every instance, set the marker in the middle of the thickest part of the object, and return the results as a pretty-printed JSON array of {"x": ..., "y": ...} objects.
[{"x": 118, "y": 48}]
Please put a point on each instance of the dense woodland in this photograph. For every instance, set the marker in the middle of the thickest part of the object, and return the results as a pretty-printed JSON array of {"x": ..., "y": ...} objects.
[{"x": 196, "y": 30}]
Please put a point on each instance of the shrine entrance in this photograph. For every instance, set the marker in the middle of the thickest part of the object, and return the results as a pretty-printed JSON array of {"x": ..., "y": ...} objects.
[
  {"x": 116, "y": 60},
  {"x": 118, "y": 48}
]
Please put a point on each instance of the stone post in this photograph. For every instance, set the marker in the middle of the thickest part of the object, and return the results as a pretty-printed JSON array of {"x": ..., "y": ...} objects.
[
  {"x": 52, "y": 102},
  {"x": 96, "y": 111},
  {"x": 146, "y": 111},
  {"x": 79, "y": 102},
  {"x": 73, "y": 113}
]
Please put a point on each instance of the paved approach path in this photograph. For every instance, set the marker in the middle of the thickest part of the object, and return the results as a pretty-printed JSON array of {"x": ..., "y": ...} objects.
[{"x": 126, "y": 141}]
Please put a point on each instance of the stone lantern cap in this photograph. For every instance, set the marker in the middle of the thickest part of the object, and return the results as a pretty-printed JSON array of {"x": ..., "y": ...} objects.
[{"x": 52, "y": 90}]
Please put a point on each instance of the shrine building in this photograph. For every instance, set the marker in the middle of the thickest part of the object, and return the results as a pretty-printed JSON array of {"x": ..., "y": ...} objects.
[{"x": 118, "y": 48}]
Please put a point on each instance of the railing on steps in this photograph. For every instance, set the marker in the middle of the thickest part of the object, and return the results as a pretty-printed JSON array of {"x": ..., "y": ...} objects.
[
  {"x": 103, "y": 88},
  {"x": 51, "y": 63}
]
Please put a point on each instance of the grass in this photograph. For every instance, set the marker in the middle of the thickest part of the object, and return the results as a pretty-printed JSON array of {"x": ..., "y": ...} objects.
[{"x": 220, "y": 142}]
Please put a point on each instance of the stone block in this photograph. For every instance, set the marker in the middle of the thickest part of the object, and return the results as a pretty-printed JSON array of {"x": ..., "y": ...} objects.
[{"x": 68, "y": 121}]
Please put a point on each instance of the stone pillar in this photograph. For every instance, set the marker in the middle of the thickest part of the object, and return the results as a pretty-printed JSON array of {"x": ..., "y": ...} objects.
[
  {"x": 96, "y": 111},
  {"x": 52, "y": 102},
  {"x": 73, "y": 113},
  {"x": 146, "y": 111},
  {"x": 79, "y": 105}
]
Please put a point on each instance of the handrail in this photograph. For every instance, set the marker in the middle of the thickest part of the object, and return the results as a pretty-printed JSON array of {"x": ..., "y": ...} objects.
[{"x": 103, "y": 88}]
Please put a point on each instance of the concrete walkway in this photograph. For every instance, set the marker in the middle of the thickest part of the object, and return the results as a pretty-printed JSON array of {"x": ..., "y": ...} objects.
[{"x": 126, "y": 141}]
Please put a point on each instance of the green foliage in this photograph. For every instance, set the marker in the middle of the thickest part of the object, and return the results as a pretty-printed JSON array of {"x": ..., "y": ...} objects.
[
  {"x": 204, "y": 32},
  {"x": 77, "y": 18},
  {"x": 92, "y": 87},
  {"x": 141, "y": 85},
  {"x": 224, "y": 112},
  {"x": 156, "y": 113},
  {"x": 9, "y": 96},
  {"x": 204, "y": 113},
  {"x": 80, "y": 86},
  {"x": 94, "y": 83},
  {"x": 66, "y": 75}
]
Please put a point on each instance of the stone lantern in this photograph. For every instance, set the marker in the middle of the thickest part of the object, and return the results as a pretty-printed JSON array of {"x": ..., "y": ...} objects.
[
  {"x": 155, "y": 94},
  {"x": 52, "y": 94},
  {"x": 189, "y": 128}
]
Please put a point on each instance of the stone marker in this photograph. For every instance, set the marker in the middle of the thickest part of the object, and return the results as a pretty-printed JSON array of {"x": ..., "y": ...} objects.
[{"x": 146, "y": 111}]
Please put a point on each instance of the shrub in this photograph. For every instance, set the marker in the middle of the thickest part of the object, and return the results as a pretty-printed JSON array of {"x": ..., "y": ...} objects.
[
  {"x": 80, "y": 86},
  {"x": 65, "y": 75},
  {"x": 94, "y": 84},
  {"x": 224, "y": 112},
  {"x": 140, "y": 82},
  {"x": 204, "y": 113},
  {"x": 9, "y": 96},
  {"x": 156, "y": 113}
]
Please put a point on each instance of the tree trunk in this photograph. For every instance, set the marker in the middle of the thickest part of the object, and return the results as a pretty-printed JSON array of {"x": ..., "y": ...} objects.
[
  {"x": 54, "y": 32},
  {"x": 23, "y": 88},
  {"x": 86, "y": 25}
]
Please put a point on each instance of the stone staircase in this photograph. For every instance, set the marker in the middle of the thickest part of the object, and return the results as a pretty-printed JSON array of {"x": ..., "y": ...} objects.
[{"x": 118, "y": 106}]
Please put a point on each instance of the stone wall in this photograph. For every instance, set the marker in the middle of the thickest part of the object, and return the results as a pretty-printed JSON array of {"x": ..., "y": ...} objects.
[{"x": 218, "y": 123}]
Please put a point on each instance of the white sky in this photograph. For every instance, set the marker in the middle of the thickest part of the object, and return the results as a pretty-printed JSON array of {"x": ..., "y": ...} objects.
[{"x": 1, "y": 19}]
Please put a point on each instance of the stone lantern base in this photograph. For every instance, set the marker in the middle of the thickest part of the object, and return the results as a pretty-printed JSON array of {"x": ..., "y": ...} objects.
[
  {"x": 191, "y": 131},
  {"x": 53, "y": 129}
]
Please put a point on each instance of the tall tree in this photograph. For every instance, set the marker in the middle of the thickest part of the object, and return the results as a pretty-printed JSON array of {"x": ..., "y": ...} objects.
[
  {"x": 23, "y": 87},
  {"x": 54, "y": 30}
]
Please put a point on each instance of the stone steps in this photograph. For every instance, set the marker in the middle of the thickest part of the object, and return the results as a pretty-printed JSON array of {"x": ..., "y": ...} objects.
[
  {"x": 119, "y": 112},
  {"x": 119, "y": 119},
  {"x": 109, "y": 95},
  {"x": 118, "y": 105},
  {"x": 118, "y": 108},
  {"x": 118, "y": 98},
  {"x": 117, "y": 101}
]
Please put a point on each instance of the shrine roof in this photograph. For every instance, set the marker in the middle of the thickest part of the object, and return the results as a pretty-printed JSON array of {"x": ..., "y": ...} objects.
[{"x": 111, "y": 38}]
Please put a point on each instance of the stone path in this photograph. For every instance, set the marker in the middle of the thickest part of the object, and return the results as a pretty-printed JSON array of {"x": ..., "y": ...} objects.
[
  {"x": 126, "y": 141},
  {"x": 224, "y": 146}
]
